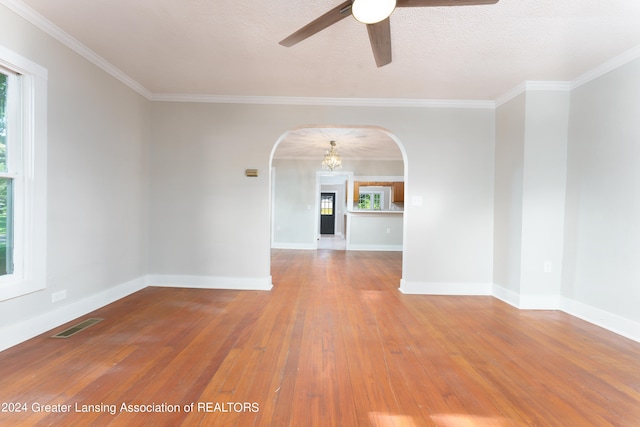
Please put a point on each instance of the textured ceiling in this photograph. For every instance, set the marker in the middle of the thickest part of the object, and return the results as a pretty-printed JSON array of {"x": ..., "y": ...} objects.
[
  {"x": 230, "y": 47},
  {"x": 351, "y": 142}
]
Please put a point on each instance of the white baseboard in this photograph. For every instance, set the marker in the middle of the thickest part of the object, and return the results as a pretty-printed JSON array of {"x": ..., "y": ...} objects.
[
  {"x": 14, "y": 334},
  {"x": 609, "y": 321},
  {"x": 527, "y": 302},
  {"x": 389, "y": 248},
  {"x": 210, "y": 282},
  {"x": 445, "y": 288},
  {"x": 540, "y": 302},
  {"x": 506, "y": 295},
  {"x": 299, "y": 246},
  {"x": 350, "y": 247}
]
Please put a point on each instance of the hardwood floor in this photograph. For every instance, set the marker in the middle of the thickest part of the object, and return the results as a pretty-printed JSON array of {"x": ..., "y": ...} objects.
[{"x": 333, "y": 344}]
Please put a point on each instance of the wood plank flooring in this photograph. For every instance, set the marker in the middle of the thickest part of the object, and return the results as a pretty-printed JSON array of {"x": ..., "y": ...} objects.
[{"x": 333, "y": 344}]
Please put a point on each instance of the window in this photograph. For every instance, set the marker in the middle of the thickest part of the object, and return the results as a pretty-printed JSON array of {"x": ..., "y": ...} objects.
[
  {"x": 371, "y": 200},
  {"x": 22, "y": 175},
  {"x": 326, "y": 205},
  {"x": 6, "y": 182}
]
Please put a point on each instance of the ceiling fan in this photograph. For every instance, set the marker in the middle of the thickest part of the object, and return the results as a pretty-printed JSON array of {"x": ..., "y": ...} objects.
[{"x": 375, "y": 14}]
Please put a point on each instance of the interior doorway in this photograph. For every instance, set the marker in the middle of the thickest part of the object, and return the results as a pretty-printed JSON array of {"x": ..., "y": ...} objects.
[
  {"x": 336, "y": 184},
  {"x": 331, "y": 234}
]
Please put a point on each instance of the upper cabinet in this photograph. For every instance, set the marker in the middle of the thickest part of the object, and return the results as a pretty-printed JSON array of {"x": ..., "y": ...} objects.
[{"x": 397, "y": 195}]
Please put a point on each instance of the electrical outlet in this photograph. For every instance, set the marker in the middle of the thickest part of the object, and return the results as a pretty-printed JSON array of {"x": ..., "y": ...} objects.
[
  {"x": 547, "y": 266},
  {"x": 58, "y": 296},
  {"x": 388, "y": 230}
]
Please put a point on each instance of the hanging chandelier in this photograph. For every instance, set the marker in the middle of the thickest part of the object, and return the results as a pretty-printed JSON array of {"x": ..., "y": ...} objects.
[{"x": 332, "y": 159}]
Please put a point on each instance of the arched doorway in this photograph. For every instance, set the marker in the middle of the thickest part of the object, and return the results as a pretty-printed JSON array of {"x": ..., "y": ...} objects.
[{"x": 374, "y": 163}]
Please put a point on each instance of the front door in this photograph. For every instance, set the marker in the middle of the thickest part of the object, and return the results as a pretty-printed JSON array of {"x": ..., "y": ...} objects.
[{"x": 328, "y": 213}]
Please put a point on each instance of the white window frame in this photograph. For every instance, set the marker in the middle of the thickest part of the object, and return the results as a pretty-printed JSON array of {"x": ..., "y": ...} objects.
[
  {"x": 26, "y": 145},
  {"x": 372, "y": 193}
]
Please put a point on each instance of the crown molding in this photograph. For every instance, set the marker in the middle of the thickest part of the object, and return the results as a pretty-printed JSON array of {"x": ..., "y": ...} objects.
[
  {"x": 340, "y": 102},
  {"x": 57, "y": 33},
  {"x": 594, "y": 73},
  {"x": 529, "y": 86},
  {"x": 521, "y": 88},
  {"x": 610, "y": 65}
]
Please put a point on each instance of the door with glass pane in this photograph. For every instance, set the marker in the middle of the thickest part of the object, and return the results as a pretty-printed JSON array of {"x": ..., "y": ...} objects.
[{"x": 327, "y": 213}]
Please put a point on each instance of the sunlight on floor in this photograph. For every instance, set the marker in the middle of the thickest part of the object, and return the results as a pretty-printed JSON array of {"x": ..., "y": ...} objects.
[
  {"x": 380, "y": 419},
  {"x": 453, "y": 420}
]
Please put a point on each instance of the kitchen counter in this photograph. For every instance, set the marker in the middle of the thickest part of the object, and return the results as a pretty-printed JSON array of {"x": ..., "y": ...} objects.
[{"x": 374, "y": 230}]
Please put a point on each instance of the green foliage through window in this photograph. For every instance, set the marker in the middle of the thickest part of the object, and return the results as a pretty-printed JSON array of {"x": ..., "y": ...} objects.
[
  {"x": 6, "y": 263},
  {"x": 370, "y": 201}
]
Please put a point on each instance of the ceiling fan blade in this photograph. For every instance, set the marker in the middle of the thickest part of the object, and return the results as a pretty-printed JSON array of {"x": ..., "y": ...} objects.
[
  {"x": 334, "y": 15},
  {"x": 433, "y": 3},
  {"x": 380, "y": 38}
]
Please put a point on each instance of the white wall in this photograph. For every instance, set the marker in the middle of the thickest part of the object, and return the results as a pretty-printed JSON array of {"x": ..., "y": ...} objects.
[
  {"x": 543, "y": 204},
  {"x": 449, "y": 230},
  {"x": 602, "y": 228},
  {"x": 531, "y": 141},
  {"x": 97, "y": 186},
  {"x": 294, "y": 215},
  {"x": 567, "y": 194},
  {"x": 375, "y": 231},
  {"x": 509, "y": 169},
  {"x": 208, "y": 220}
]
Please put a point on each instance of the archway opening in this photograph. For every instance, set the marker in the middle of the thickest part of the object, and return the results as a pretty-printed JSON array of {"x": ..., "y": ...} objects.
[{"x": 367, "y": 192}]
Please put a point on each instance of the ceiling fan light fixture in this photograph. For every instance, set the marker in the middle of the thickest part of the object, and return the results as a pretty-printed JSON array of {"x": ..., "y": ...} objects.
[{"x": 372, "y": 11}]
